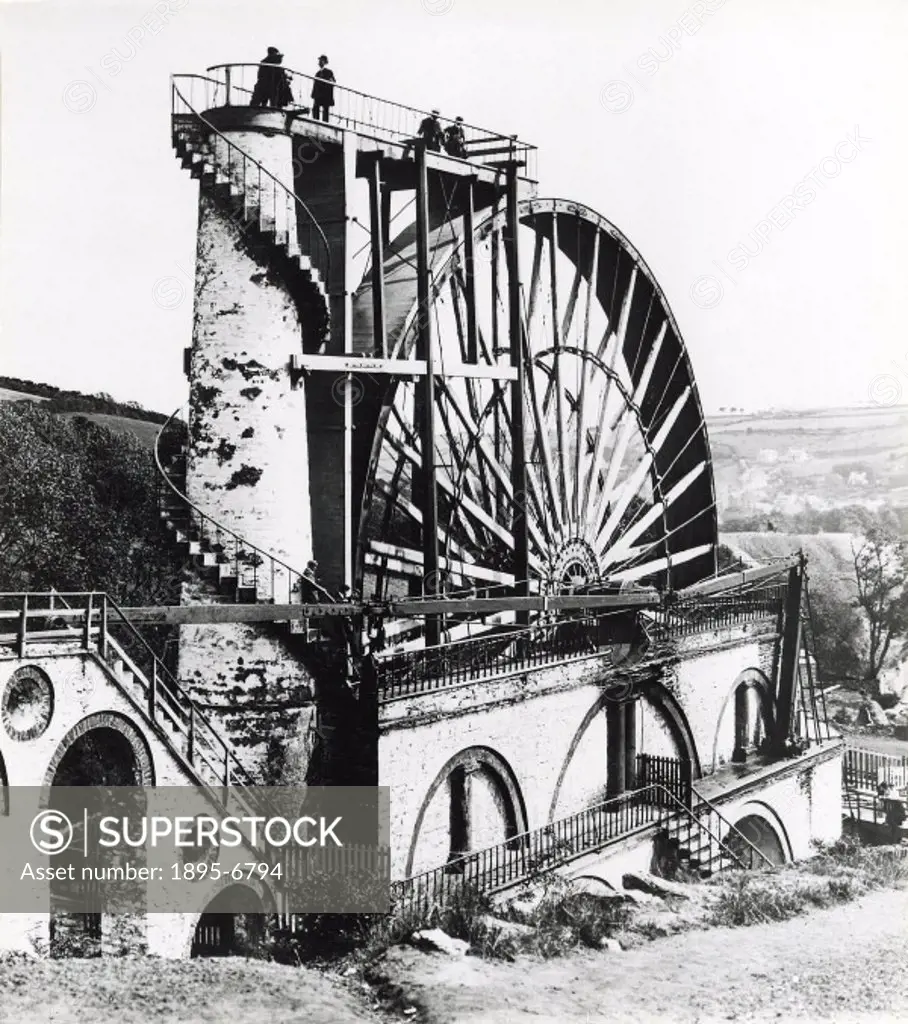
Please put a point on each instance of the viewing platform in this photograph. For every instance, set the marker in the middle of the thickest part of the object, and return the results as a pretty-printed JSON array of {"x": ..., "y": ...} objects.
[{"x": 223, "y": 95}]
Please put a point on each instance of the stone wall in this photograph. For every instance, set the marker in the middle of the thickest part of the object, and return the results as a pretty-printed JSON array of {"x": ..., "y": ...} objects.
[{"x": 548, "y": 726}]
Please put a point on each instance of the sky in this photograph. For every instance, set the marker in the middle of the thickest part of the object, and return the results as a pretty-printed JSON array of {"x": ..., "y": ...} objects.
[{"x": 753, "y": 151}]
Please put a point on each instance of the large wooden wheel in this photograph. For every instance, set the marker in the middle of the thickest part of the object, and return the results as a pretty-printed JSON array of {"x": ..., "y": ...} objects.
[{"x": 619, "y": 479}]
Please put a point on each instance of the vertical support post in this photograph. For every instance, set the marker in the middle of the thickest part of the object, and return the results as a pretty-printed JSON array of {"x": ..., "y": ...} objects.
[
  {"x": 470, "y": 272},
  {"x": 190, "y": 736},
  {"x": 788, "y": 663},
  {"x": 227, "y": 86},
  {"x": 425, "y": 392},
  {"x": 386, "y": 214},
  {"x": 630, "y": 744},
  {"x": 378, "y": 228},
  {"x": 23, "y": 627},
  {"x": 518, "y": 444},
  {"x": 614, "y": 748},
  {"x": 102, "y": 632},
  {"x": 89, "y": 611}
]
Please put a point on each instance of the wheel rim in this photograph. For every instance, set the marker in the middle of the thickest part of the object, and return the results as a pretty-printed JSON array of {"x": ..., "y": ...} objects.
[{"x": 619, "y": 478}]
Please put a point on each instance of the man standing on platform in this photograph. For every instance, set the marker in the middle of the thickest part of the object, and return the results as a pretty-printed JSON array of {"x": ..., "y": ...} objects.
[
  {"x": 431, "y": 133},
  {"x": 455, "y": 141},
  {"x": 322, "y": 90}
]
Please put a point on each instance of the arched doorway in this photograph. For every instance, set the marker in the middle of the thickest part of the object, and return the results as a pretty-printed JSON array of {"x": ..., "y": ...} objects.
[
  {"x": 745, "y": 719},
  {"x": 762, "y": 834},
  {"x": 104, "y": 751},
  {"x": 474, "y": 802},
  {"x": 222, "y": 930}
]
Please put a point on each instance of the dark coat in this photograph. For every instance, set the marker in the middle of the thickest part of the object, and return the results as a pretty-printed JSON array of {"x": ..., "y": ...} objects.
[
  {"x": 455, "y": 142},
  {"x": 323, "y": 90},
  {"x": 431, "y": 133},
  {"x": 272, "y": 85}
]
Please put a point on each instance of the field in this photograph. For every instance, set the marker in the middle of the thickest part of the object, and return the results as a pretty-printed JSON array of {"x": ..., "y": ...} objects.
[
  {"x": 826, "y": 457},
  {"x": 145, "y": 431}
]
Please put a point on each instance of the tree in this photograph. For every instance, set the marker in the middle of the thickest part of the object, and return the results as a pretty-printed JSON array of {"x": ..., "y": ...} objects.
[
  {"x": 78, "y": 510},
  {"x": 881, "y": 568},
  {"x": 837, "y": 631}
]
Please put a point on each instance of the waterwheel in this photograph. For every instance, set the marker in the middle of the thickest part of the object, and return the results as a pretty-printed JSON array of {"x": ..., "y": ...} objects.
[{"x": 619, "y": 485}]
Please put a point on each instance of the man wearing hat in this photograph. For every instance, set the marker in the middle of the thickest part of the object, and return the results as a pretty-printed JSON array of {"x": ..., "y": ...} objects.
[
  {"x": 455, "y": 141},
  {"x": 272, "y": 87},
  {"x": 431, "y": 133},
  {"x": 322, "y": 90}
]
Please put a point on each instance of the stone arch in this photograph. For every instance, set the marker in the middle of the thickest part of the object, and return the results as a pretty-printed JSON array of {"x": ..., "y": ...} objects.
[
  {"x": 221, "y": 930},
  {"x": 666, "y": 704},
  {"x": 106, "y": 720},
  {"x": 750, "y": 681},
  {"x": 470, "y": 760},
  {"x": 759, "y": 823},
  {"x": 663, "y": 703}
]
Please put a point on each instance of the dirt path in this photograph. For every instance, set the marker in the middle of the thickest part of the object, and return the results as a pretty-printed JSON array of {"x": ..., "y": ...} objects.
[{"x": 849, "y": 963}]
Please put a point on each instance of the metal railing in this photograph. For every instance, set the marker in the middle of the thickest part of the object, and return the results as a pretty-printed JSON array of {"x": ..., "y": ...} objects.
[
  {"x": 269, "y": 577},
  {"x": 736, "y": 845},
  {"x": 508, "y": 649},
  {"x": 868, "y": 769},
  {"x": 477, "y": 658},
  {"x": 228, "y": 85},
  {"x": 521, "y": 857},
  {"x": 544, "y": 849},
  {"x": 689, "y": 616},
  {"x": 89, "y": 618},
  {"x": 670, "y": 773},
  {"x": 290, "y": 218}
]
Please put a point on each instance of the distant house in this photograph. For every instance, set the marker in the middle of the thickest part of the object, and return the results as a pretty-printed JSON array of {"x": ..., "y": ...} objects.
[
  {"x": 798, "y": 455},
  {"x": 856, "y": 479},
  {"x": 767, "y": 455}
]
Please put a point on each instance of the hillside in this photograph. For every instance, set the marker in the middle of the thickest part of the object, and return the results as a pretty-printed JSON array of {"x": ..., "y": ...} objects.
[
  {"x": 818, "y": 459},
  {"x": 118, "y": 417}
]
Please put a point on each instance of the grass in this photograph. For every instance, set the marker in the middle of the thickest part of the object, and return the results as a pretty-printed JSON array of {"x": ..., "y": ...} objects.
[
  {"x": 559, "y": 918},
  {"x": 841, "y": 872}
]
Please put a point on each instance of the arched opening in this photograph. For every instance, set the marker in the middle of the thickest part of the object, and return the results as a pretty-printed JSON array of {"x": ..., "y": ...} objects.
[
  {"x": 473, "y": 803},
  {"x": 228, "y": 932},
  {"x": 758, "y": 831},
  {"x": 745, "y": 719},
  {"x": 101, "y": 751},
  {"x": 99, "y": 757}
]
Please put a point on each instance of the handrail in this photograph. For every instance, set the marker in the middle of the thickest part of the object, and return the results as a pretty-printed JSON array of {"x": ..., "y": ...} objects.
[
  {"x": 499, "y": 855},
  {"x": 326, "y": 270},
  {"x": 705, "y": 802},
  {"x": 401, "y": 120},
  {"x": 240, "y": 542}
]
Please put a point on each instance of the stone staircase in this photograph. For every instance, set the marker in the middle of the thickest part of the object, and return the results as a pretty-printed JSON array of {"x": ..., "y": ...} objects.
[
  {"x": 277, "y": 226},
  {"x": 701, "y": 841}
]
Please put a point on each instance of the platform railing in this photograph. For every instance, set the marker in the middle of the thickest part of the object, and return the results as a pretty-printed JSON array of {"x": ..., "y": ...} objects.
[
  {"x": 686, "y": 617},
  {"x": 509, "y": 648},
  {"x": 228, "y": 85},
  {"x": 96, "y": 623},
  {"x": 541, "y": 850},
  {"x": 867, "y": 769},
  {"x": 279, "y": 206}
]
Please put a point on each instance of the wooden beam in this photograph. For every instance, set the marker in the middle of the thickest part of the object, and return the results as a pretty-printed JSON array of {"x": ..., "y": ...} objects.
[
  {"x": 214, "y": 614},
  {"x": 518, "y": 442},
  {"x": 395, "y": 367},
  {"x": 730, "y": 580},
  {"x": 787, "y": 681},
  {"x": 427, "y": 497},
  {"x": 470, "y": 272},
  {"x": 378, "y": 227}
]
